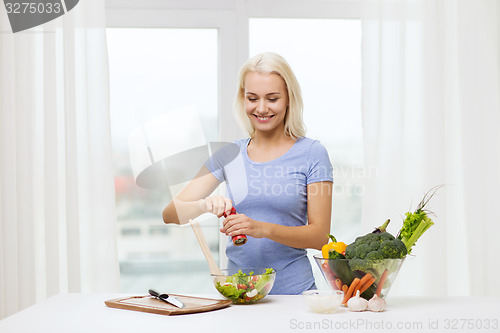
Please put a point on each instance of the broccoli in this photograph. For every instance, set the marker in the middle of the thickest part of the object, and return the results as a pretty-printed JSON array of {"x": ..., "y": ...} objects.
[
  {"x": 373, "y": 246},
  {"x": 374, "y": 267},
  {"x": 367, "y": 252}
]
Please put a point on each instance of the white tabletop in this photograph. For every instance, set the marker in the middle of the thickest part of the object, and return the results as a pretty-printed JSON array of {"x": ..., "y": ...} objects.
[{"x": 86, "y": 313}]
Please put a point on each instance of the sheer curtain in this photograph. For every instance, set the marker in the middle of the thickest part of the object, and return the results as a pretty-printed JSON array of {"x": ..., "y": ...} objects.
[
  {"x": 431, "y": 113},
  {"x": 57, "y": 217}
]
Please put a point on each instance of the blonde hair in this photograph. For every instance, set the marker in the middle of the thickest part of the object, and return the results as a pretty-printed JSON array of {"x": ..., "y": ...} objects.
[{"x": 272, "y": 63}]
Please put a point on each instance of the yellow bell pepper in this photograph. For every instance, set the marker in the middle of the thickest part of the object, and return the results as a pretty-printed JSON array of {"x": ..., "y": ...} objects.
[{"x": 332, "y": 246}]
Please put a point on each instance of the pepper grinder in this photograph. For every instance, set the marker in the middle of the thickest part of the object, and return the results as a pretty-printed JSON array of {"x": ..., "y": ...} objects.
[{"x": 238, "y": 239}]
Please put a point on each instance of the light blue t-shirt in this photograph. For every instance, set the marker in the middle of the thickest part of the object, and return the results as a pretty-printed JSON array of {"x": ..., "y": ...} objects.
[{"x": 275, "y": 192}]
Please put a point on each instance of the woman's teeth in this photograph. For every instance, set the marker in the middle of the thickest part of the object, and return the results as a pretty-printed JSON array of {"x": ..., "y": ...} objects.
[{"x": 263, "y": 118}]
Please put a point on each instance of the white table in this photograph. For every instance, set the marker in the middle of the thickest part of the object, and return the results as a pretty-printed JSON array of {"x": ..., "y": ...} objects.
[{"x": 85, "y": 313}]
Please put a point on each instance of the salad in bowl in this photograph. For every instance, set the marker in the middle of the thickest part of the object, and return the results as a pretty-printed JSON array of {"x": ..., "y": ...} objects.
[{"x": 246, "y": 285}]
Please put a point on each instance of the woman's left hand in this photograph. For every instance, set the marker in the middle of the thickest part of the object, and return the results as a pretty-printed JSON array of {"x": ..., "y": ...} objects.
[{"x": 240, "y": 224}]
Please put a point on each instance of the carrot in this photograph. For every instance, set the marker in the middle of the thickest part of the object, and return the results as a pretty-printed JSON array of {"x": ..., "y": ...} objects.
[
  {"x": 344, "y": 288},
  {"x": 338, "y": 283},
  {"x": 366, "y": 285},
  {"x": 362, "y": 282},
  {"x": 381, "y": 282},
  {"x": 351, "y": 290},
  {"x": 365, "y": 278}
]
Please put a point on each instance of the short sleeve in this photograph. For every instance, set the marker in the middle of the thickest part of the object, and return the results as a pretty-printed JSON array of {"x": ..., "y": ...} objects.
[
  {"x": 215, "y": 168},
  {"x": 223, "y": 154},
  {"x": 319, "y": 165}
]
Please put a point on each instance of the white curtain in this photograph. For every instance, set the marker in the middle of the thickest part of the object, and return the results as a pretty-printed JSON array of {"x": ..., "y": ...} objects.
[
  {"x": 431, "y": 115},
  {"x": 57, "y": 218}
]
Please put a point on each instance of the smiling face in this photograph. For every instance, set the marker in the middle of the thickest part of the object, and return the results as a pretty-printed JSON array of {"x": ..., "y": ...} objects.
[{"x": 266, "y": 101}]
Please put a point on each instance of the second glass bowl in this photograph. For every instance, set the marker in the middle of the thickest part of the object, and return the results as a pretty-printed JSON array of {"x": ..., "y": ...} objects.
[{"x": 323, "y": 301}]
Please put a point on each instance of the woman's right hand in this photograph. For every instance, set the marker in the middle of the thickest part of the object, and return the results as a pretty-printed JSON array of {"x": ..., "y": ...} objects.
[{"x": 216, "y": 204}]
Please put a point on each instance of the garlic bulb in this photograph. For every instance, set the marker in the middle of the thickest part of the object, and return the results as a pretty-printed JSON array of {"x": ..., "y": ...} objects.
[
  {"x": 376, "y": 304},
  {"x": 357, "y": 303}
]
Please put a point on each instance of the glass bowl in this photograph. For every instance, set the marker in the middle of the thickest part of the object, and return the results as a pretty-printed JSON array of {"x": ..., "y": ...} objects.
[
  {"x": 340, "y": 274},
  {"x": 245, "y": 285},
  {"x": 323, "y": 301}
]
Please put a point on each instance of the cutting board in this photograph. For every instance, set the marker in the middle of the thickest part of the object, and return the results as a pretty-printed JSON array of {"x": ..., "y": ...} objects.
[{"x": 154, "y": 305}]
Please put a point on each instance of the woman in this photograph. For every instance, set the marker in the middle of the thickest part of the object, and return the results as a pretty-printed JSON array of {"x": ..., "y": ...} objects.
[{"x": 280, "y": 184}]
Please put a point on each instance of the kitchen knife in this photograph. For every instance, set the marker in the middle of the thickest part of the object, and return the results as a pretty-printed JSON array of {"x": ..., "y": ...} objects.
[{"x": 166, "y": 298}]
